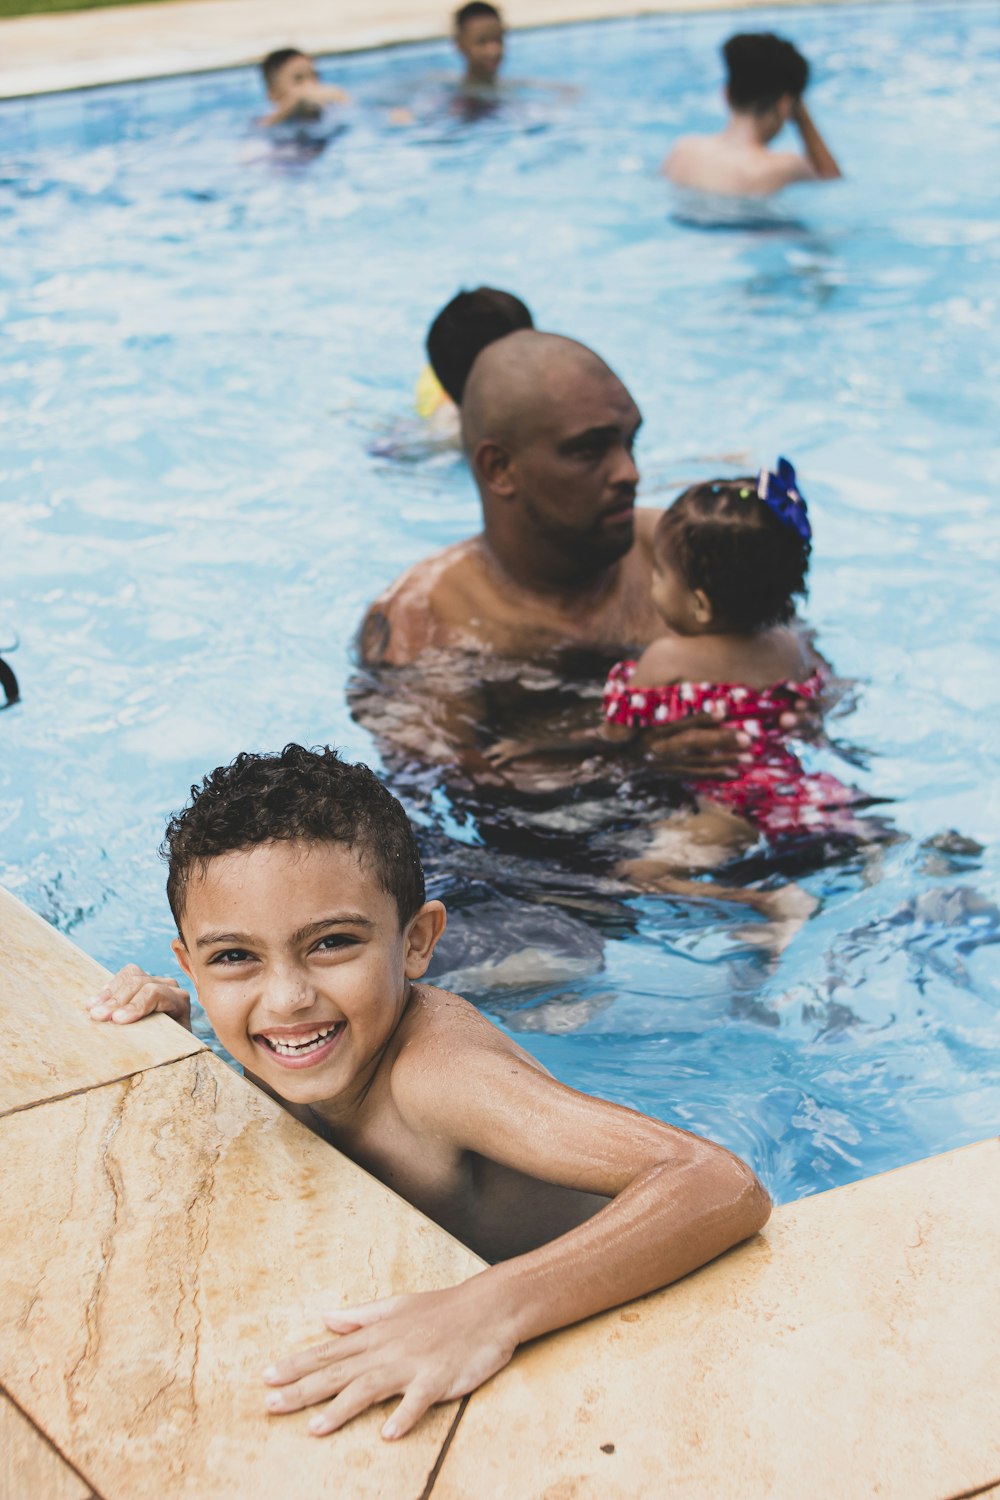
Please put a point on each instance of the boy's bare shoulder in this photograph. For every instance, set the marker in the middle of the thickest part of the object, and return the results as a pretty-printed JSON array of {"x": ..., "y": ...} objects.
[{"x": 447, "y": 1045}]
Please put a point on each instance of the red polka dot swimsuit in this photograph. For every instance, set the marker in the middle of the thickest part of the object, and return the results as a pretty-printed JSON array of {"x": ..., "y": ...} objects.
[{"x": 774, "y": 792}]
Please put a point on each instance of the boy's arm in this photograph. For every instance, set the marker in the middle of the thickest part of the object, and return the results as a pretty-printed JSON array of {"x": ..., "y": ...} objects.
[
  {"x": 316, "y": 95},
  {"x": 677, "y": 1202},
  {"x": 820, "y": 157}
]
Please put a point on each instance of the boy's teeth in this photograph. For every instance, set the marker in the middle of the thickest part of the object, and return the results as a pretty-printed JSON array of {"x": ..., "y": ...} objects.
[{"x": 302, "y": 1043}]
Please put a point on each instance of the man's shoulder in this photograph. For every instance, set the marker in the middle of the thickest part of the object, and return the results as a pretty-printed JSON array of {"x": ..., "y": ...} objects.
[{"x": 400, "y": 623}]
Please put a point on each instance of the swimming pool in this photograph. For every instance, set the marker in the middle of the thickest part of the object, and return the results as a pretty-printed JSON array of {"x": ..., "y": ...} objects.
[{"x": 203, "y": 344}]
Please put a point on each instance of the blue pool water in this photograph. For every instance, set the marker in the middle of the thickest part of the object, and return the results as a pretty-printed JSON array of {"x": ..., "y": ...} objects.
[{"x": 202, "y": 346}]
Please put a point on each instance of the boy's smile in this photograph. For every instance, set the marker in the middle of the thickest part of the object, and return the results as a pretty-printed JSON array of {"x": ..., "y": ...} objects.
[{"x": 302, "y": 965}]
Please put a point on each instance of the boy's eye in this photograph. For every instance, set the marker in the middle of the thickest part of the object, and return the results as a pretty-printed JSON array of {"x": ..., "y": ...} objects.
[
  {"x": 333, "y": 941},
  {"x": 231, "y": 956}
]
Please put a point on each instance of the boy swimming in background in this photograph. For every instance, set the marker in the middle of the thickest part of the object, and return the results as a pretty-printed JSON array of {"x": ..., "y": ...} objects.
[
  {"x": 299, "y": 898},
  {"x": 766, "y": 80},
  {"x": 459, "y": 333},
  {"x": 295, "y": 89},
  {"x": 479, "y": 37}
]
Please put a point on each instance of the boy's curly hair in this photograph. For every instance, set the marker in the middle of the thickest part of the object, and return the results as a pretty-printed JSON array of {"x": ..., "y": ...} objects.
[
  {"x": 728, "y": 543},
  {"x": 295, "y": 793}
]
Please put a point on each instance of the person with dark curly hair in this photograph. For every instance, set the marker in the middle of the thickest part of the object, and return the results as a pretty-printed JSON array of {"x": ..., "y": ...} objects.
[
  {"x": 766, "y": 81},
  {"x": 302, "y": 921}
]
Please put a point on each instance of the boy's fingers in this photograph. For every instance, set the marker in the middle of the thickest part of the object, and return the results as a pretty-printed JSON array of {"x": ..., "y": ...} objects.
[
  {"x": 341, "y": 1322},
  {"x": 330, "y": 1352},
  {"x": 311, "y": 1389},
  {"x": 418, "y": 1399},
  {"x": 347, "y": 1319},
  {"x": 352, "y": 1401},
  {"x": 126, "y": 999}
]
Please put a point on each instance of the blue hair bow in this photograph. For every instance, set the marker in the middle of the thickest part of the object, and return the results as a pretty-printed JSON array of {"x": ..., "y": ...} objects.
[{"x": 779, "y": 494}]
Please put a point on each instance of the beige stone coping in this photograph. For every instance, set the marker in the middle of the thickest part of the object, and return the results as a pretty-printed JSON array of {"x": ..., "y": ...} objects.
[
  {"x": 165, "y": 1237},
  {"x": 53, "y": 1050},
  {"x": 30, "y": 1466},
  {"x": 39, "y": 54},
  {"x": 166, "y": 1234},
  {"x": 853, "y": 1350}
]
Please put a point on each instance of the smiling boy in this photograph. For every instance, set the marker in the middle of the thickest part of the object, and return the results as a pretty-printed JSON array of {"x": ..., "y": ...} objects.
[
  {"x": 479, "y": 38},
  {"x": 299, "y": 898}
]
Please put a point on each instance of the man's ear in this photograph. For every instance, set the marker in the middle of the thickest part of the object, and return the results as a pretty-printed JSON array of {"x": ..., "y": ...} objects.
[
  {"x": 183, "y": 958},
  {"x": 422, "y": 937},
  {"x": 491, "y": 466}
]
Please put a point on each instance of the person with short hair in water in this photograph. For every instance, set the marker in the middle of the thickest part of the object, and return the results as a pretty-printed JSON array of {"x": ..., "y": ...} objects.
[
  {"x": 479, "y": 37},
  {"x": 455, "y": 339},
  {"x": 294, "y": 87},
  {"x": 765, "y": 85},
  {"x": 564, "y": 561}
]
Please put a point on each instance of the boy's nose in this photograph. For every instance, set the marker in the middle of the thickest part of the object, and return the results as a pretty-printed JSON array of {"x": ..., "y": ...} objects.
[{"x": 288, "y": 992}]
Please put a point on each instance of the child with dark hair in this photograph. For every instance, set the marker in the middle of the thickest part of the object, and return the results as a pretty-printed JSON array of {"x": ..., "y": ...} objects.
[
  {"x": 299, "y": 899},
  {"x": 729, "y": 559},
  {"x": 766, "y": 80},
  {"x": 479, "y": 37},
  {"x": 459, "y": 333},
  {"x": 294, "y": 87}
]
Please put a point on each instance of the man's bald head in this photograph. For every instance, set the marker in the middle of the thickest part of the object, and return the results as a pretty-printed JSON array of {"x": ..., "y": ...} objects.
[
  {"x": 549, "y": 432},
  {"x": 521, "y": 383}
]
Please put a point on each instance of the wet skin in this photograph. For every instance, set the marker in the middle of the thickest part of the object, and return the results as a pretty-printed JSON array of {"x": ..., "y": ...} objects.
[{"x": 295, "y": 945}]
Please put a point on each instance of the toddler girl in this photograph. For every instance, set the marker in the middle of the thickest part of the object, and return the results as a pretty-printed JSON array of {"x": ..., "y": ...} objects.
[{"x": 730, "y": 558}]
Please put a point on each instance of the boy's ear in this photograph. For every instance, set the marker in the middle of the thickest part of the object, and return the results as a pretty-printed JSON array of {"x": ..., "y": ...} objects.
[
  {"x": 422, "y": 937},
  {"x": 181, "y": 955}
]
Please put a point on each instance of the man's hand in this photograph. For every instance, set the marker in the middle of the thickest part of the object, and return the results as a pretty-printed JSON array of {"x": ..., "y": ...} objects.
[
  {"x": 698, "y": 749},
  {"x": 133, "y": 993},
  {"x": 428, "y": 1347},
  {"x": 702, "y": 749}
]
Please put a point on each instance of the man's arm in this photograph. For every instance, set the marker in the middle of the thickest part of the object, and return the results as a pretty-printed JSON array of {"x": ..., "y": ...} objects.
[{"x": 677, "y": 1202}]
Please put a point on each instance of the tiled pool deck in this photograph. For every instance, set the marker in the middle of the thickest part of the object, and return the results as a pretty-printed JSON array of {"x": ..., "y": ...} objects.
[
  {"x": 166, "y": 1229},
  {"x": 77, "y": 49}
]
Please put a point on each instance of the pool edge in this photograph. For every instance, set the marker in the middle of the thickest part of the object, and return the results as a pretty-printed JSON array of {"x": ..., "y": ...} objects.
[
  {"x": 71, "y": 50},
  {"x": 855, "y": 1341}
]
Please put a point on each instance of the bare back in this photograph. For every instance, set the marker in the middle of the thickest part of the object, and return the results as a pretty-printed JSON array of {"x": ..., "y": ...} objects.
[{"x": 718, "y": 164}]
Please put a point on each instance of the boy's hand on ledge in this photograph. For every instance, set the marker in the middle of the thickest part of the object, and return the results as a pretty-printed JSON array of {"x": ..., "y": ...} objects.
[
  {"x": 133, "y": 993},
  {"x": 427, "y": 1347}
]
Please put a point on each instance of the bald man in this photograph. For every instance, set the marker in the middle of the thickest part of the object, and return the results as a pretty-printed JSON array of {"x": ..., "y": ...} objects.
[{"x": 563, "y": 563}]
